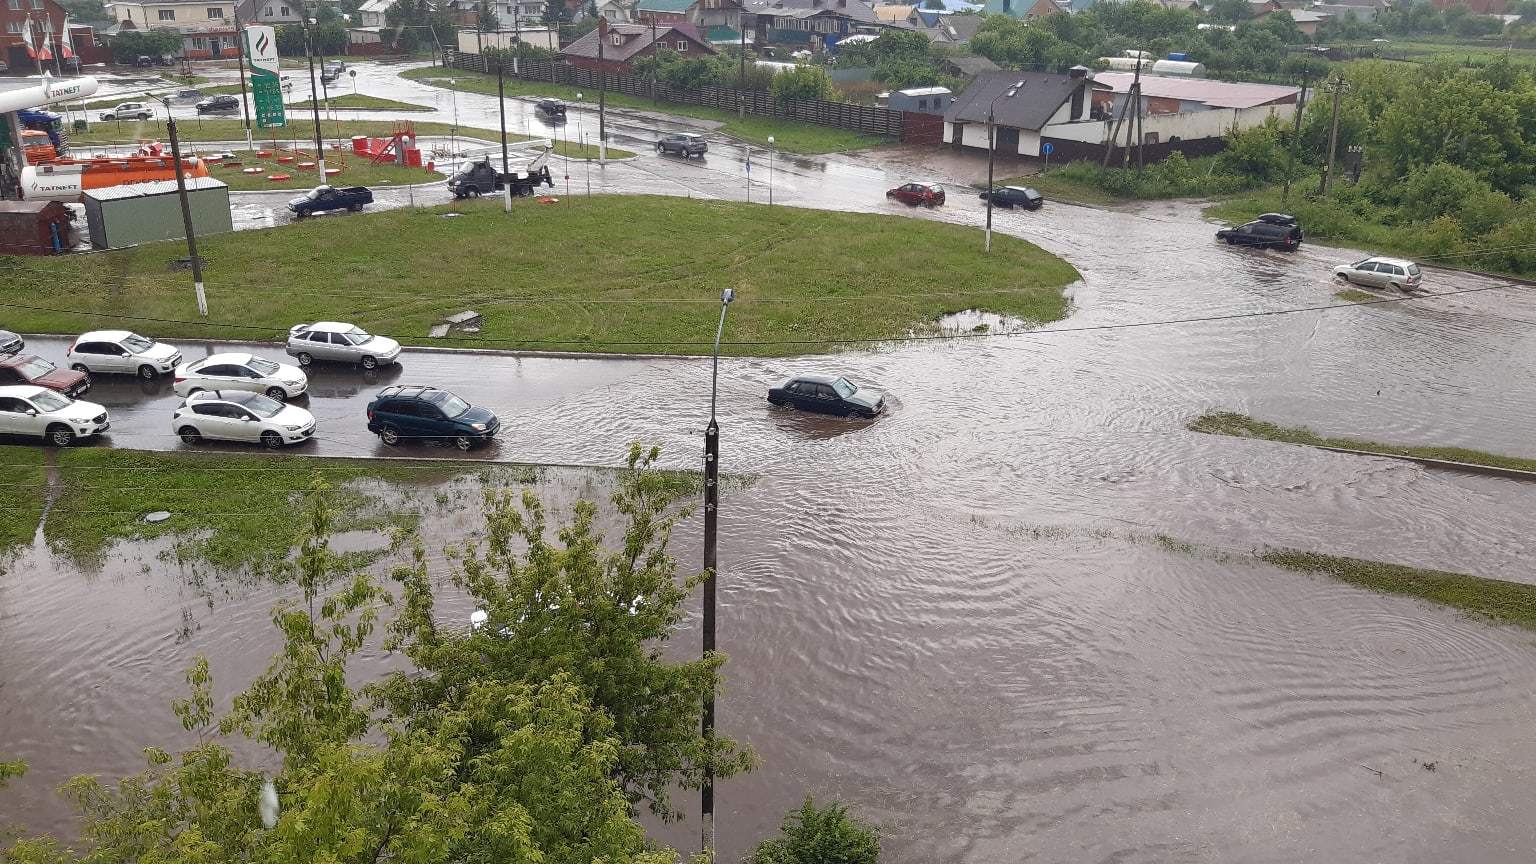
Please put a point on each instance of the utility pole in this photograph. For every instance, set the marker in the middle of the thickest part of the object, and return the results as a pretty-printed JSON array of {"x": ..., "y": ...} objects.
[
  {"x": 517, "y": 37},
  {"x": 1301, "y": 105},
  {"x": 1337, "y": 88},
  {"x": 501, "y": 104},
  {"x": 1135, "y": 124},
  {"x": 654, "y": 70},
  {"x": 602, "y": 86},
  {"x": 186, "y": 214},
  {"x": 480, "y": 32},
  {"x": 1009, "y": 93},
  {"x": 741, "y": 78},
  {"x": 711, "y": 517},
  {"x": 314, "y": 97},
  {"x": 245, "y": 106}
]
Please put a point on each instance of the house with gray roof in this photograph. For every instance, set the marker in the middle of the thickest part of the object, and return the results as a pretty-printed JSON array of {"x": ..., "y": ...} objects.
[
  {"x": 718, "y": 20},
  {"x": 1022, "y": 104},
  {"x": 813, "y": 25}
]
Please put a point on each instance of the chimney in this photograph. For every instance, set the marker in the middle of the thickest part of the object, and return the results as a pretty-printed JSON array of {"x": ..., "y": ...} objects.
[{"x": 1078, "y": 72}]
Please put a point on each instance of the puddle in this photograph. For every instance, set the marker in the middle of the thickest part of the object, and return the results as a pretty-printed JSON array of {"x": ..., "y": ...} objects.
[{"x": 978, "y": 321}]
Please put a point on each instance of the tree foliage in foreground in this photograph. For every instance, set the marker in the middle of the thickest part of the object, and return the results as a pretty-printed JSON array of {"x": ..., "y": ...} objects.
[
  {"x": 529, "y": 740},
  {"x": 812, "y": 835}
]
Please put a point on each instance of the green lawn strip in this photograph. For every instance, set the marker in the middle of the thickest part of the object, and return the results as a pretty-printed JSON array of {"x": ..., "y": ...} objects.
[
  {"x": 230, "y": 510},
  {"x": 1355, "y": 295},
  {"x": 802, "y": 275},
  {"x": 25, "y": 481},
  {"x": 359, "y": 101},
  {"x": 1089, "y": 183},
  {"x": 1243, "y": 426},
  {"x": 793, "y": 136},
  {"x": 1494, "y": 599},
  {"x": 302, "y": 135},
  {"x": 1061, "y": 187},
  {"x": 356, "y": 171}
]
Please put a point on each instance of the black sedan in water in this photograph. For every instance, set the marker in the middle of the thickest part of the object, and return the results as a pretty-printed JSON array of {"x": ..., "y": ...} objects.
[
  {"x": 1015, "y": 196},
  {"x": 827, "y": 394}
]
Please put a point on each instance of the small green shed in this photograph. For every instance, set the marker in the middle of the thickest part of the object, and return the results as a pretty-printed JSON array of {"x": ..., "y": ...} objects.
[{"x": 137, "y": 213}]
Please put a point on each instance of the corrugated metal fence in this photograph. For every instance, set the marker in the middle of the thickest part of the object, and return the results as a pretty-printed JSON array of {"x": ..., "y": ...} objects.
[{"x": 860, "y": 118}]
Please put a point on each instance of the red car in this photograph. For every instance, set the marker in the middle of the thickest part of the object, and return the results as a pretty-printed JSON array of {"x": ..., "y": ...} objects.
[
  {"x": 926, "y": 194},
  {"x": 32, "y": 369}
]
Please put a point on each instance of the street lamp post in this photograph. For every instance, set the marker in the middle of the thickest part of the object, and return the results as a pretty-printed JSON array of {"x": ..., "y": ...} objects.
[
  {"x": 711, "y": 515},
  {"x": 314, "y": 98},
  {"x": 1009, "y": 93},
  {"x": 770, "y": 170}
]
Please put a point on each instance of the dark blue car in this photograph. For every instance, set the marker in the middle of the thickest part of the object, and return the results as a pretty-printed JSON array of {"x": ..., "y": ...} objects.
[{"x": 403, "y": 413}]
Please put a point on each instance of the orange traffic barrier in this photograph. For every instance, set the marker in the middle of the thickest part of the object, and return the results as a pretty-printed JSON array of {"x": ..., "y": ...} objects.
[{"x": 263, "y": 153}]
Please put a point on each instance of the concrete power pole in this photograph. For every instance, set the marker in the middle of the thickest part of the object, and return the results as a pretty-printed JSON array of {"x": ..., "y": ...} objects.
[{"x": 1337, "y": 87}]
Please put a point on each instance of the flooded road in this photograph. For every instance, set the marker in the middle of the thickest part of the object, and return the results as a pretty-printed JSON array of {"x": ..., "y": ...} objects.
[{"x": 961, "y": 618}]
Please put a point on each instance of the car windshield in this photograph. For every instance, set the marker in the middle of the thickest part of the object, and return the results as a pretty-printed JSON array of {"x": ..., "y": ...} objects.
[
  {"x": 48, "y": 401},
  {"x": 263, "y": 366},
  {"x": 356, "y": 336},
  {"x": 258, "y": 404},
  {"x": 34, "y": 367},
  {"x": 137, "y": 344},
  {"x": 451, "y": 405},
  {"x": 843, "y": 388}
]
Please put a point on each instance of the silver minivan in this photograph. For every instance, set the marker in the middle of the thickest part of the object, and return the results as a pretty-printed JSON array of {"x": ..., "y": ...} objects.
[{"x": 1394, "y": 273}]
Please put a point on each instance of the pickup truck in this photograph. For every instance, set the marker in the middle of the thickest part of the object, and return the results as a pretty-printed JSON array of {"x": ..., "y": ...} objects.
[
  {"x": 482, "y": 178},
  {"x": 323, "y": 198}
]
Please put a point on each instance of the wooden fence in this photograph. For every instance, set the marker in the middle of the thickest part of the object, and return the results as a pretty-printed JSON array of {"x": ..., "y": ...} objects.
[{"x": 841, "y": 115}]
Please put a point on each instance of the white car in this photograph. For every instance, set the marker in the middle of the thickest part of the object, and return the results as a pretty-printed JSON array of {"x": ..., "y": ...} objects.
[
  {"x": 129, "y": 111},
  {"x": 42, "y": 413},
  {"x": 1392, "y": 273},
  {"x": 122, "y": 351},
  {"x": 241, "y": 372},
  {"x": 240, "y": 415},
  {"x": 344, "y": 343}
]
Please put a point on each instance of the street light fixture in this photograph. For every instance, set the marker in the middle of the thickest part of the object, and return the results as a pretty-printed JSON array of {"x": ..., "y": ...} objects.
[
  {"x": 1013, "y": 90},
  {"x": 711, "y": 514}
]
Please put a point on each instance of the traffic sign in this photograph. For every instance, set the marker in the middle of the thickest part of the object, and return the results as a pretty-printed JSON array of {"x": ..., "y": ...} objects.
[{"x": 1046, "y": 148}]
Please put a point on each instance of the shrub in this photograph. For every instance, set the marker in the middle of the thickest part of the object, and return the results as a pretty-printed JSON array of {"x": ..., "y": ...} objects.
[
  {"x": 802, "y": 82},
  {"x": 819, "y": 836}
]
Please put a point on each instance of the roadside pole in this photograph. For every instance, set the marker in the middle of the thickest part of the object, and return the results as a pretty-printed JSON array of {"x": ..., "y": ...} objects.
[
  {"x": 602, "y": 88},
  {"x": 186, "y": 214},
  {"x": 1009, "y": 93},
  {"x": 1301, "y": 105},
  {"x": 770, "y": 170},
  {"x": 1337, "y": 88},
  {"x": 314, "y": 101},
  {"x": 245, "y": 107},
  {"x": 711, "y": 518},
  {"x": 501, "y": 103}
]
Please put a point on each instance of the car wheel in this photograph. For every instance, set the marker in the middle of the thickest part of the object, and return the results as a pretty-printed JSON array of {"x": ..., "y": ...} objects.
[
  {"x": 474, "y": 193},
  {"x": 80, "y": 367},
  {"x": 304, "y": 358},
  {"x": 660, "y": 149},
  {"x": 277, "y": 393},
  {"x": 190, "y": 435},
  {"x": 1395, "y": 286},
  {"x": 147, "y": 372},
  {"x": 358, "y": 208},
  {"x": 1231, "y": 241},
  {"x": 370, "y": 363},
  {"x": 60, "y": 435},
  {"x": 271, "y": 440},
  {"x": 464, "y": 443}
]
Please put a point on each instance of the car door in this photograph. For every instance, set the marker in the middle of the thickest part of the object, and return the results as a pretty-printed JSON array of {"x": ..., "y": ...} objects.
[
  {"x": 210, "y": 421},
  {"x": 242, "y": 423},
  {"x": 219, "y": 375},
  {"x": 339, "y": 348},
  {"x": 405, "y": 417},
  {"x": 13, "y": 416},
  {"x": 1391, "y": 273},
  {"x": 430, "y": 422},
  {"x": 1365, "y": 273},
  {"x": 10, "y": 376},
  {"x": 112, "y": 357},
  {"x": 801, "y": 393}
]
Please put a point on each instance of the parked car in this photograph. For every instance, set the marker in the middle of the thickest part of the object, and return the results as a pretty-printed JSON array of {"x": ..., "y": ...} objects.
[
  {"x": 419, "y": 413},
  {"x": 344, "y": 343},
  {"x": 1392, "y": 273},
  {"x": 144, "y": 61},
  {"x": 827, "y": 394},
  {"x": 122, "y": 351},
  {"x": 241, "y": 372},
  {"x": 129, "y": 111},
  {"x": 38, "y": 412},
  {"x": 240, "y": 415},
  {"x": 553, "y": 109},
  {"x": 1269, "y": 231},
  {"x": 32, "y": 369},
  {"x": 1015, "y": 196},
  {"x": 926, "y": 194},
  {"x": 218, "y": 104},
  {"x": 10, "y": 342},
  {"x": 684, "y": 144},
  {"x": 323, "y": 198}
]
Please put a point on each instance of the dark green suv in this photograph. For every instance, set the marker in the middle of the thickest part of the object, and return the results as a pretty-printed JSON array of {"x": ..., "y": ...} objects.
[{"x": 412, "y": 413}]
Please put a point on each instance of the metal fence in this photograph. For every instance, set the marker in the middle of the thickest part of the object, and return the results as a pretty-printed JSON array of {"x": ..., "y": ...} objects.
[{"x": 841, "y": 115}]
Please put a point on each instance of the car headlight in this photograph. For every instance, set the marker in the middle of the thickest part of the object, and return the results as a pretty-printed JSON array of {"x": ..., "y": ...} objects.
[
  {"x": 478, "y": 427},
  {"x": 291, "y": 383},
  {"x": 293, "y": 428}
]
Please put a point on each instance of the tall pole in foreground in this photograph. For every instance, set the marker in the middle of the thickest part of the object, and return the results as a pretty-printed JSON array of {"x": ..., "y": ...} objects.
[
  {"x": 186, "y": 214},
  {"x": 602, "y": 89},
  {"x": 711, "y": 516},
  {"x": 1009, "y": 93},
  {"x": 770, "y": 170},
  {"x": 1290, "y": 164},
  {"x": 1337, "y": 87},
  {"x": 314, "y": 99},
  {"x": 501, "y": 103},
  {"x": 245, "y": 107}
]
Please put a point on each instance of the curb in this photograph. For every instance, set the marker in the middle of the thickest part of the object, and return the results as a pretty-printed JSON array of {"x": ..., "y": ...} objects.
[
  {"x": 440, "y": 349},
  {"x": 1444, "y": 464}
]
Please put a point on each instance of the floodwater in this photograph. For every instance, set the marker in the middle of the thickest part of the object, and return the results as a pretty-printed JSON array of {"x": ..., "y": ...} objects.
[{"x": 960, "y": 618}]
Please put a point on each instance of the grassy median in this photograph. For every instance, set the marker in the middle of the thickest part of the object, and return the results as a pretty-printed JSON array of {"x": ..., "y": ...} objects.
[
  {"x": 1243, "y": 426},
  {"x": 356, "y": 171},
  {"x": 792, "y": 136},
  {"x": 607, "y": 273},
  {"x": 24, "y": 479}
]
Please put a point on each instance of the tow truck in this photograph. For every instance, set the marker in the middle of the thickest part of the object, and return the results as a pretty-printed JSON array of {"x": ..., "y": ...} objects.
[{"x": 481, "y": 177}]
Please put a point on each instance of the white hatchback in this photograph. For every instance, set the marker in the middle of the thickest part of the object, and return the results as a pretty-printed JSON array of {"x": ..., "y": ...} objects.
[
  {"x": 1392, "y": 273},
  {"x": 241, "y": 372},
  {"x": 122, "y": 351},
  {"x": 240, "y": 415},
  {"x": 38, "y": 412}
]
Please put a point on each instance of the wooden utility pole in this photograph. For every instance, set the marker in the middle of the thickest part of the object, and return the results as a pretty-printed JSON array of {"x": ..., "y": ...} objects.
[
  {"x": 1136, "y": 117},
  {"x": 1301, "y": 105},
  {"x": 1337, "y": 88}
]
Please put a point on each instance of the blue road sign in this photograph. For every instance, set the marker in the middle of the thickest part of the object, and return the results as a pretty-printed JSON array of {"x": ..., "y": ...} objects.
[{"x": 1046, "y": 148}]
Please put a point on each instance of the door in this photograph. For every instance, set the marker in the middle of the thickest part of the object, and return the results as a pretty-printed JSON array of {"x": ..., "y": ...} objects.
[
  {"x": 406, "y": 419},
  {"x": 802, "y": 394},
  {"x": 1366, "y": 274},
  {"x": 113, "y": 357},
  {"x": 1007, "y": 139},
  {"x": 13, "y": 416},
  {"x": 825, "y": 399},
  {"x": 430, "y": 421},
  {"x": 339, "y": 348},
  {"x": 242, "y": 423},
  {"x": 211, "y": 422}
]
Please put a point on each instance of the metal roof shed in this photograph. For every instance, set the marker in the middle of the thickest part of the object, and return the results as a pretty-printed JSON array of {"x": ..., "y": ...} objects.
[{"x": 137, "y": 213}]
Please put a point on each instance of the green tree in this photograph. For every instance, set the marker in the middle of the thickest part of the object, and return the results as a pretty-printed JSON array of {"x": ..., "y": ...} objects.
[
  {"x": 1228, "y": 11},
  {"x": 486, "y": 20},
  {"x": 130, "y": 44},
  {"x": 812, "y": 835},
  {"x": 802, "y": 82},
  {"x": 556, "y": 13}
]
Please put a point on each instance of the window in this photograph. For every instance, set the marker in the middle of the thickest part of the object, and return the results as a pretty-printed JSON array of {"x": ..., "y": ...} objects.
[
  {"x": 267, "y": 12},
  {"x": 199, "y": 43},
  {"x": 216, "y": 12},
  {"x": 922, "y": 104},
  {"x": 167, "y": 14},
  {"x": 15, "y": 4},
  {"x": 37, "y": 4},
  {"x": 13, "y": 406},
  {"x": 617, "y": 39},
  {"x": 682, "y": 45},
  {"x": 283, "y": 11},
  {"x": 13, "y": 26}
]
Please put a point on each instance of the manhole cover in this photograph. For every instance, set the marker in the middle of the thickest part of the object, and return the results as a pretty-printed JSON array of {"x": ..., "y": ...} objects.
[{"x": 157, "y": 516}]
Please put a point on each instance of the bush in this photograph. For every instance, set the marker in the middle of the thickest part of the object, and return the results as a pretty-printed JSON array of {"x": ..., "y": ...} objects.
[
  {"x": 802, "y": 82},
  {"x": 819, "y": 836},
  {"x": 1258, "y": 153}
]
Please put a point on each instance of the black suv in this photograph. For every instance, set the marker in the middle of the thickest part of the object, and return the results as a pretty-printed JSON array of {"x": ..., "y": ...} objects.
[
  {"x": 1015, "y": 196},
  {"x": 420, "y": 413},
  {"x": 1269, "y": 231},
  {"x": 551, "y": 108}
]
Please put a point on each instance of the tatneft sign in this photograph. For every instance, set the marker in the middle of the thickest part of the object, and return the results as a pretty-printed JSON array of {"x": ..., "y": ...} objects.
[{"x": 266, "y": 89}]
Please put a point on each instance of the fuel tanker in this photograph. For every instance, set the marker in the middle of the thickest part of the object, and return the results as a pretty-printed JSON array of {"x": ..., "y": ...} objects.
[{"x": 67, "y": 179}]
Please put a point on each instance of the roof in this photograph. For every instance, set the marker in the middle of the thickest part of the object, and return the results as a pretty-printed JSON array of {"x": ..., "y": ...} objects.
[
  {"x": 1303, "y": 16},
  {"x": 380, "y": 6},
  {"x": 664, "y": 5},
  {"x": 26, "y": 206},
  {"x": 857, "y": 10},
  {"x": 329, "y": 327},
  {"x": 637, "y": 40},
  {"x": 972, "y": 65},
  {"x": 892, "y": 13},
  {"x": 1217, "y": 94},
  {"x": 722, "y": 33},
  {"x": 153, "y": 187},
  {"x": 925, "y": 91},
  {"x": 237, "y": 357},
  {"x": 27, "y": 391},
  {"x": 105, "y": 336},
  {"x": 1030, "y": 108},
  {"x": 815, "y": 377}
]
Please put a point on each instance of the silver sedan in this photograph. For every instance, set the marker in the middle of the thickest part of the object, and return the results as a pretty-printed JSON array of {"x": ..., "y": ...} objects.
[{"x": 342, "y": 343}]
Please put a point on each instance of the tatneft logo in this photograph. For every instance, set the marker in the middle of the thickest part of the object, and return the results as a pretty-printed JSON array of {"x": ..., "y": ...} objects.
[{"x": 263, "y": 44}]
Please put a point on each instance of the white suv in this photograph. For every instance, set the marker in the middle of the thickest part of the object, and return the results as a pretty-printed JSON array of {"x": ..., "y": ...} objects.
[
  {"x": 129, "y": 111},
  {"x": 240, "y": 415},
  {"x": 122, "y": 351},
  {"x": 241, "y": 372},
  {"x": 38, "y": 412}
]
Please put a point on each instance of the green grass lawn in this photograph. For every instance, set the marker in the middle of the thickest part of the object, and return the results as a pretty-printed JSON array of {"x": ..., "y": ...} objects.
[
  {"x": 360, "y": 102},
  {"x": 300, "y": 131},
  {"x": 25, "y": 481},
  {"x": 1243, "y": 426},
  {"x": 566, "y": 277},
  {"x": 1465, "y": 51},
  {"x": 792, "y": 136},
  {"x": 1355, "y": 295},
  {"x": 356, "y": 171}
]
